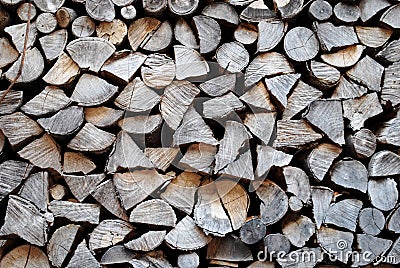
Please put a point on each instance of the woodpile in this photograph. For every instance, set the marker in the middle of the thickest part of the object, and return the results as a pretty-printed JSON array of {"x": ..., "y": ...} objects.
[{"x": 187, "y": 133}]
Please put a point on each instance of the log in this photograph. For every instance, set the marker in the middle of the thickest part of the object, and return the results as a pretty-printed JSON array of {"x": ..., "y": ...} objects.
[
  {"x": 109, "y": 233},
  {"x": 91, "y": 139},
  {"x": 229, "y": 249},
  {"x": 189, "y": 260},
  {"x": 161, "y": 157},
  {"x": 390, "y": 17},
  {"x": 344, "y": 214},
  {"x": 246, "y": 33},
  {"x": 320, "y": 10},
  {"x": 155, "y": 8},
  {"x": 298, "y": 229},
  {"x": 369, "y": 8},
  {"x": 187, "y": 236},
  {"x": 233, "y": 57},
  {"x": 258, "y": 97},
  {"x": 393, "y": 254},
  {"x": 270, "y": 33},
  {"x": 25, "y": 256},
  {"x": 383, "y": 193},
  {"x": 361, "y": 73},
  {"x": 137, "y": 97},
  {"x": 66, "y": 122},
  {"x": 386, "y": 131},
  {"x": 153, "y": 212},
  {"x": 335, "y": 241},
  {"x": 17, "y": 33},
  {"x": 101, "y": 10},
  {"x": 240, "y": 168},
  {"x": 321, "y": 199},
  {"x": 275, "y": 243},
  {"x": 184, "y": 34},
  {"x": 198, "y": 157},
  {"x": 25, "y": 220},
  {"x": 183, "y": 8},
  {"x": 65, "y": 16},
  {"x": 219, "y": 85},
  {"x": 373, "y": 36},
  {"x": 114, "y": 31},
  {"x": 209, "y": 33},
  {"x": 158, "y": 71},
  {"x": 8, "y": 54},
  {"x": 54, "y": 44},
  {"x": 46, "y": 23},
  {"x": 140, "y": 124},
  {"x": 268, "y": 157},
  {"x": 347, "y": 89},
  {"x": 351, "y": 174},
  {"x": 323, "y": 75},
  {"x": 390, "y": 52},
  {"x": 285, "y": 134},
  {"x": 61, "y": 243},
  {"x": 288, "y": 9},
  {"x": 82, "y": 186},
  {"x": 297, "y": 183},
  {"x": 346, "y": 12},
  {"x": 77, "y": 162},
  {"x": 101, "y": 91},
  {"x": 117, "y": 254},
  {"x": 136, "y": 186},
  {"x": 280, "y": 86},
  {"x": 295, "y": 204},
  {"x": 189, "y": 63},
  {"x": 31, "y": 70},
  {"x": 364, "y": 143},
  {"x": 257, "y": 11},
  {"x": 76, "y": 212},
  {"x": 345, "y": 57},
  {"x": 49, "y": 6},
  {"x": 58, "y": 192},
  {"x": 63, "y": 71},
  {"x": 331, "y": 36},
  {"x": 261, "y": 125},
  {"x": 35, "y": 189},
  {"x": 140, "y": 30},
  {"x": 221, "y": 12},
  {"x": 83, "y": 256},
  {"x": 128, "y": 12},
  {"x": 83, "y": 26},
  {"x": 12, "y": 173},
  {"x": 159, "y": 40},
  {"x": 103, "y": 116},
  {"x": 393, "y": 221},
  {"x": 371, "y": 221},
  {"x": 390, "y": 87},
  {"x": 321, "y": 158},
  {"x": 301, "y": 44},
  {"x": 147, "y": 242},
  {"x": 43, "y": 152},
  {"x": 252, "y": 231},
  {"x": 374, "y": 245},
  {"x": 274, "y": 202},
  {"x": 384, "y": 163},
  {"x": 223, "y": 106}
]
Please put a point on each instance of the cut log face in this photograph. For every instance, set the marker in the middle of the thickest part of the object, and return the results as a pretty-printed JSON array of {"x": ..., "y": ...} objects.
[
  {"x": 336, "y": 241},
  {"x": 62, "y": 72},
  {"x": 390, "y": 17},
  {"x": 123, "y": 65},
  {"x": 189, "y": 260},
  {"x": 388, "y": 199},
  {"x": 384, "y": 163},
  {"x": 301, "y": 44},
  {"x": 66, "y": 122},
  {"x": 246, "y": 33},
  {"x": 160, "y": 39},
  {"x": 364, "y": 143},
  {"x": 220, "y": 107},
  {"x": 344, "y": 214},
  {"x": 109, "y": 233},
  {"x": 323, "y": 74},
  {"x": 83, "y": 256},
  {"x": 140, "y": 124},
  {"x": 11, "y": 102},
  {"x": 221, "y": 11},
  {"x": 229, "y": 249},
  {"x": 297, "y": 183},
  {"x": 198, "y": 157},
  {"x": 60, "y": 244},
  {"x": 31, "y": 70},
  {"x": 91, "y": 139},
  {"x": 158, "y": 71},
  {"x": 374, "y": 245},
  {"x": 268, "y": 157},
  {"x": 117, "y": 254},
  {"x": 298, "y": 229},
  {"x": 220, "y": 85},
  {"x": 252, "y": 231},
  {"x": 161, "y": 157},
  {"x": 209, "y": 33},
  {"x": 35, "y": 189},
  {"x": 103, "y": 116},
  {"x": 83, "y": 26},
  {"x": 152, "y": 211},
  {"x": 393, "y": 221},
  {"x": 270, "y": 33},
  {"x": 274, "y": 202},
  {"x": 320, "y": 10},
  {"x": 390, "y": 87},
  {"x": 183, "y": 8},
  {"x": 346, "y": 12},
  {"x": 261, "y": 125},
  {"x": 369, "y": 8},
  {"x": 17, "y": 33},
  {"x": 147, "y": 241},
  {"x": 101, "y": 10},
  {"x": 390, "y": 52},
  {"x": 386, "y": 133},
  {"x": 25, "y": 256},
  {"x": 128, "y": 12},
  {"x": 371, "y": 221},
  {"x": 189, "y": 63},
  {"x": 368, "y": 73},
  {"x": 258, "y": 97},
  {"x": 274, "y": 243},
  {"x": 76, "y": 212},
  {"x": 347, "y": 89},
  {"x": 184, "y": 34},
  {"x": 280, "y": 86},
  {"x": 12, "y": 173},
  {"x": 256, "y": 12},
  {"x": 331, "y": 36},
  {"x": 8, "y": 54},
  {"x": 140, "y": 29},
  {"x": 373, "y": 36},
  {"x": 65, "y": 16},
  {"x": 350, "y": 173},
  {"x": 321, "y": 199},
  {"x": 46, "y": 23},
  {"x": 233, "y": 57},
  {"x": 83, "y": 186},
  {"x": 114, "y": 31},
  {"x": 345, "y": 57}
]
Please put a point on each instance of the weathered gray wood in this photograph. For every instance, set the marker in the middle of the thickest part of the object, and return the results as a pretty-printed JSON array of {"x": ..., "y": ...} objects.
[
  {"x": 252, "y": 231},
  {"x": 8, "y": 54},
  {"x": 91, "y": 139},
  {"x": 189, "y": 63},
  {"x": 323, "y": 75},
  {"x": 114, "y": 31},
  {"x": 274, "y": 203},
  {"x": 320, "y": 10},
  {"x": 270, "y": 33},
  {"x": 297, "y": 183},
  {"x": 286, "y": 137},
  {"x": 301, "y": 44},
  {"x": 344, "y": 214},
  {"x": 371, "y": 221},
  {"x": 83, "y": 26},
  {"x": 346, "y": 12},
  {"x": 35, "y": 189},
  {"x": 63, "y": 71},
  {"x": 390, "y": 87},
  {"x": 393, "y": 221},
  {"x": 229, "y": 249},
  {"x": 101, "y": 10},
  {"x": 373, "y": 36},
  {"x": 331, "y": 36},
  {"x": 390, "y": 52},
  {"x": 351, "y": 174},
  {"x": 275, "y": 243},
  {"x": 66, "y": 122},
  {"x": 76, "y": 212},
  {"x": 219, "y": 85},
  {"x": 61, "y": 243},
  {"x": 390, "y": 17},
  {"x": 160, "y": 39},
  {"x": 369, "y": 8},
  {"x": 364, "y": 143},
  {"x": 31, "y": 70},
  {"x": 287, "y": 262},
  {"x": 223, "y": 106},
  {"x": 25, "y": 256},
  {"x": 321, "y": 199},
  {"x": 240, "y": 168},
  {"x": 368, "y": 73},
  {"x": 140, "y": 30},
  {"x": 83, "y": 256},
  {"x": 336, "y": 241},
  {"x": 128, "y": 12},
  {"x": 158, "y": 71},
  {"x": 280, "y": 86},
  {"x": 383, "y": 193},
  {"x": 54, "y": 44},
  {"x": 295, "y": 204},
  {"x": 221, "y": 11},
  {"x": 257, "y": 11},
  {"x": 155, "y": 8},
  {"x": 232, "y": 56},
  {"x": 108, "y": 233},
  {"x": 345, "y": 57},
  {"x": 198, "y": 157},
  {"x": 384, "y": 163},
  {"x": 321, "y": 158},
  {"x": 298, "y": 229},
  {"x": 289, "y": 9},
  {"x": 65, "y": 16},
  {"x": 209, "y": 33},
  {"x": 393, "y": 254},
  {"x": 82, "y": 186},
  {"x": 387, "y": 132},
  {"x": 46, "y": 23},
  {"x": 347, "y": 89},
  {"x": 103, "y": 116},
  {"x": 12, "y": 173},
  {"x": 77, "y": 162},
  {"x": 373, "y": 245},
  {"x": 258, "y": 97},
  {"x": 117, "y": 254},
  {"x": 268, "y": 157},
  {"x": 140, "y": 124},
  {"x": 161, "y": 157},
  {"x": 17, "y": 33},
  {"x": 154, "y": 212},
  {"x": 189, "y": 260},
  {"x": 184, "y": 34},
  {"x": 183, "y": 8},
  {"x": 11, "y": 102},
  {"x": 147, "y": 242},
  {"x": 246, "y": 33}
]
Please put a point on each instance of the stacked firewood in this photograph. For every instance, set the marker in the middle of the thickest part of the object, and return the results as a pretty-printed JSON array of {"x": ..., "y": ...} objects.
[{"x": 187, "y": 133}]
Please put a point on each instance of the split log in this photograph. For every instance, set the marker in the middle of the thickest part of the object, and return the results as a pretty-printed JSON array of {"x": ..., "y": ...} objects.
[
  {"x": 184, "y": 34},
  {"x": 295, "y": 204},
  {"x": 289, "y": 9},
  {"x": 155, "y": 8},
  {"x": 302, "y": 95},
  {"x": 117, "y": 254},
  {"x": 153, "y": 258},
  {"x": 35, "y": 189},
  {"x": 158, "y": 71},
  {"x": 65, "y": 16},
  {"x": 297, "y": 183},
  {"x": 160, "y": 39},
  {"x": 246, "y": 33},
  {"x": 83, "y": 256},
  {"x": 83, "y": 26},
  {"x": 109, "y": 233},
  {"x": 154, "y": 212},
  {"x": 76, "y": 212},
  {"x": 49, "y": 6},
  {"x": 275, "y": 243},
  {"x": 266, "y": 64},
  {"x": 363, "y": 143},
  {"x": 137, "y": 97},
  {"x": 140, "y": 30},
  {"x": 161, "y": 157},
  {"x": 82, "y": 186},
  {"x": 257, "y": 11},
  {"x": 393, "y": 221},
  {"x": 331, "y": 36},
  {"x": 123, "y": 65},
  {"x": 270, "y": 33},
  {"x": 43, "y": 152},
  {"x": 46, "y": 23},
  {"x": 91, "y": 139},
  {"x": 229, "y": 249},
  {"x": 90, "y": 52},
  {"x": 298, "y": 229},
  {"x": 369, "y": 8},
  {"x": 368, "y": 73},
  {"x": 58, "y": 192},
  {"x": 383, "y": 193},
  {"x": 361, "y": 109},
  {"x": 384, "y": 163},
  {"x": 198, "y": 157},
  {"x": 101, "y": 91},
  {"x": 114, "y": 31},
  {"x": 136, "y": 186},
  {"x": 301, "y": 44},
  {"x": 261, "y": 125},
  {"x": 373, "y": 36},
  {"x": 321, "y": 199},
  {"x": 25, "y": 256},
  {"x": 219, "y": 85},
  {"x": 268, "y": 157},
  {"x": 373, "y": 245},
  {"x": 180, "y": 192},
  {"x": 390, "y": 87},
  {"x": 12, "y": 173},
  {"x": 232, "y": 56},
  {"x": 323, "y": 75},
  {"x": 209, "y": 33},
  {"x": 103, "y": 116},
  {"x": 337, "y": 242},
  {"x": 390, "y": 17},
  {"x": 280, "y": 86},
  {"x": 258, "y": 97},
  {"x": 351, "y": 174},
  {"x": 31, "y": 70},
  {"x": 223, "y": 106},
  {"x": 345, "y": 57},
  {"x": 221, "y": 12},
  {"x": 240, "y": 168},
  {"x": 8, "y": 54},
  {"x": 371, "y": 221},
  {"x": 189, "y": 63},
  {"x": 347, "y": 89},
  {"x": 19, "y": 128},
  {"x": 187, "y": 236},
  {"x": 54, "y": 44},
  {"x": 17, "y": 33},
  {"x": 189, "y": 260},
  {"x": 101, "y": 10},
  {"x": 141, "y": 124},
  {"x": 25, "y": 220},
  {"x": 327, "y": 116},
  {"x": 320, "y": 10},
  {"x": 321, "y": 158},
  {"x": 274, "y": 202},
  {"x": 346, "y": 12},
  {"x": 106, "y": 194},
  {"x": 386, "y": 132},
  {"x": 252, "y": 231},
  {"x": 128, "y": 12},
  {"x": 393, "y": 254},
  {"x": 61, "y": 243},
  {"x": 344, "y": 214},
  {"x": 147, "y": 242},
  {"x": 66, "y": 122},
  {"x": 63, "y": 71},
  {"x": 126, "y": 155},
  {"x": 76, "y": 162},
  {"x": 390, "y": 52},
  {"x": 183, "y": 8},
  {"x": 285, "y": 136}
]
